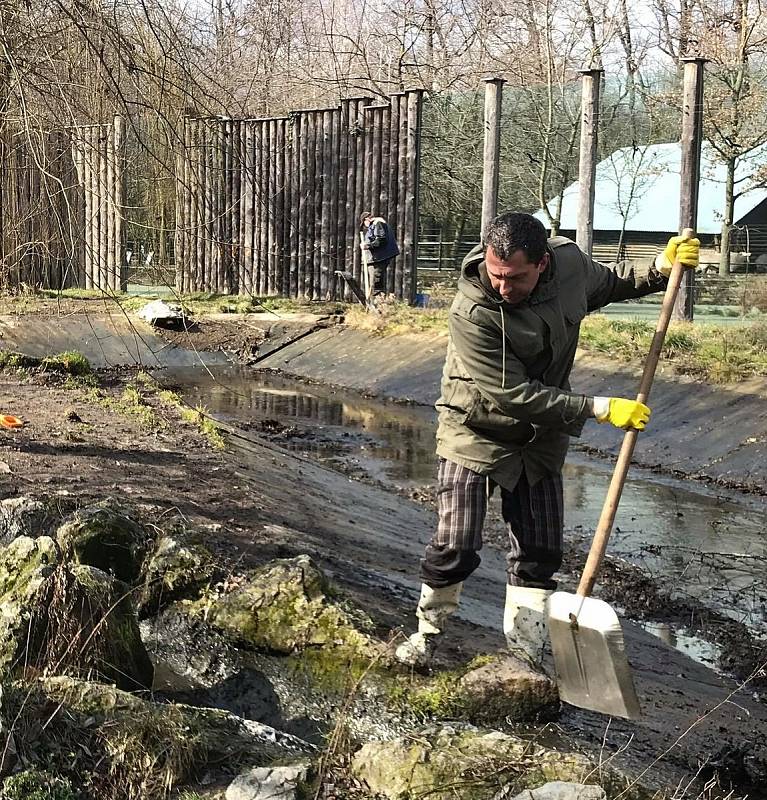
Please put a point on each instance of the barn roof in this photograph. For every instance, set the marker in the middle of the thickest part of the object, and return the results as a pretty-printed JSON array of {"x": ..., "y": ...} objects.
[{"x": 654, "y": 170}]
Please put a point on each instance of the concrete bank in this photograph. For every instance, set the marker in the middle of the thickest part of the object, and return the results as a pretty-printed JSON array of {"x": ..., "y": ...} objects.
[{"x": 716, "y": 433}]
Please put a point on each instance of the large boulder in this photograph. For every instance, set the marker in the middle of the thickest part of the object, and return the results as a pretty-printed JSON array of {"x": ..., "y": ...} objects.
[
  {"x": 179, "y": 565},
  {"x": 67, "y": 618},
  {"x": 468, "y": 764},
  {"x": 106, "y": 537},
  {"x": 23, "y": 516},
  {"x": 119, "y": 739},
  {"x": 284, "y": 607}
]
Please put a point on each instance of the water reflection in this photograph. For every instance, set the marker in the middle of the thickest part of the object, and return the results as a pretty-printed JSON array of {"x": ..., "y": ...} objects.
[{"x": 706, "y": 546}]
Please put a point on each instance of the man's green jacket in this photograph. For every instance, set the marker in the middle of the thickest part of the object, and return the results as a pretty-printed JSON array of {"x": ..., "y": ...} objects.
[{"x": 506, "y": 401}]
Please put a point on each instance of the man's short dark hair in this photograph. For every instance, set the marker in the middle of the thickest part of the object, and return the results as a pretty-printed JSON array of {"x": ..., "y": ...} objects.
[{"x": 514, "y": 231}]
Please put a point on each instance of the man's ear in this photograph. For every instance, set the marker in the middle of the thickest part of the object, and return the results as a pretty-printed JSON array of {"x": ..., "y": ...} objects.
[{"x": 543, "y": 263}]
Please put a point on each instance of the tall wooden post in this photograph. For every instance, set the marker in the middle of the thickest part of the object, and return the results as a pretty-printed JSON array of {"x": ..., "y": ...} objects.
[
  {"x": 692, "y": 139},
  {"x": 590, "y": 89},
  {"x": 492, "y": 151}
]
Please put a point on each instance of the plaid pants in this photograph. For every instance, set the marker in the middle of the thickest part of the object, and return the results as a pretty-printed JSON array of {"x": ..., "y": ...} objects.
[{"x": 533, "y": 517}]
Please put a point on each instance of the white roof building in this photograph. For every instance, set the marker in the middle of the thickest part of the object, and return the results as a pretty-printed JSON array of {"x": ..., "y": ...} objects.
[{"x": 643, "y": 184}]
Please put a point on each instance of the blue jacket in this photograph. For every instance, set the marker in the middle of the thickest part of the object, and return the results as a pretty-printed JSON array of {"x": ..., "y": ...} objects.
[{"x": 381, "y": 241}]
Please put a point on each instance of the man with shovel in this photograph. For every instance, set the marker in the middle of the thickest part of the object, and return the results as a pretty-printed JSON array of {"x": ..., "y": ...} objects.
[{"x": 506, "y": 414}]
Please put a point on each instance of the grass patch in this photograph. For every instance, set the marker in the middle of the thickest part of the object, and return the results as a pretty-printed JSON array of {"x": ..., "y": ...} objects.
[
  {"x": 713, "y": 353},
  {"x": 70, "y": 361},
  {"x": 131, "y": 403},
  {"x": 397, "y": 319},
  {"x": 199, "y": 416}
]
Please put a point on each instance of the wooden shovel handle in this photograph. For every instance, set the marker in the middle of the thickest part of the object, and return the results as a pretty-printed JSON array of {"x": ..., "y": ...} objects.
[{"x": 610, "y": 507}]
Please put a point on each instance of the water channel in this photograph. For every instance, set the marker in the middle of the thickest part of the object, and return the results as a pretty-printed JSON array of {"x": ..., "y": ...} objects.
[{"x": 703, "y": 545}]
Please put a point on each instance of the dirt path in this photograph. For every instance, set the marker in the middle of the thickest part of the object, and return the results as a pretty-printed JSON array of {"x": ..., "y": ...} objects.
[{"x": 259, "y": 501}]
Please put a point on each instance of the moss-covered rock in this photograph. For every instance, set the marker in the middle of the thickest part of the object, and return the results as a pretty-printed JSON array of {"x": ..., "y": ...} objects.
[
  {"x": 62, "y": 617},
  {"x": 285, "y": 606},
  {"x": 23, "y": 516},
  {"x": 35, "y": 784},
  {"x": 489, "y": 689},
  {"x": 106, "y": 537},
  {"x": 467, "y": 764},
  {"x": 506, "y": 688},
  {"x": 120, "y": 746},
  {"x": 178, "y": 566}
]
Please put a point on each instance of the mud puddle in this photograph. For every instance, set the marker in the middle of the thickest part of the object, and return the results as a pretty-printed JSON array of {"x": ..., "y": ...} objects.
[{"x": 683, "y": 562}]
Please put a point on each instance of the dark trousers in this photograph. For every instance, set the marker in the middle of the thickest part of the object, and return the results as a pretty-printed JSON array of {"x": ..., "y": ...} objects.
[{"x": 533, "y": 517}]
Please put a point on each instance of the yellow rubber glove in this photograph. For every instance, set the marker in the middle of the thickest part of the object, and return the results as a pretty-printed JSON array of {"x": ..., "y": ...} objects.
[
  {"x": 622, "y": 413},
  {"x": 687, "y": 251}
]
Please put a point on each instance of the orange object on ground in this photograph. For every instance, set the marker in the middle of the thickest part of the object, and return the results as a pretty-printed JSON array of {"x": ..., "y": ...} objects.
[{"x": 9, "y": 421}]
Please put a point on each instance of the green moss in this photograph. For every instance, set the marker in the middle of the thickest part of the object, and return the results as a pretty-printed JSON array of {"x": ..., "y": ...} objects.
[
  {"x": 37, "y": 785},
  {"x": 12, "y": 360}
]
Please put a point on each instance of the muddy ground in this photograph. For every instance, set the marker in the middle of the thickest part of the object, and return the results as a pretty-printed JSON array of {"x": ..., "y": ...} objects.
[{"x": 259, "y": 501}]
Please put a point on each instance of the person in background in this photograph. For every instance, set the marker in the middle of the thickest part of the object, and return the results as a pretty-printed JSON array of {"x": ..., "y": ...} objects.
[
  {"x": 379, "y": 249},
  {"x": 507, "y": 412}
]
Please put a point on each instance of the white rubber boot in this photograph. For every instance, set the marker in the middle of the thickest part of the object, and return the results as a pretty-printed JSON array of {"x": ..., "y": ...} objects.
[
  {"x": 434, "y": 608},
  {"x": 525, "y": 624}
]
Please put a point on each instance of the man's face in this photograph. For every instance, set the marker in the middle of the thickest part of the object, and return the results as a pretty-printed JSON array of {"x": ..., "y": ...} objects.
[
  {"x": 366, "y": 222},
  {"x": 514, "y": 279}
]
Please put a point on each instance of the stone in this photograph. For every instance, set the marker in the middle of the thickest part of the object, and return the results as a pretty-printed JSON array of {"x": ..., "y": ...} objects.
[
  {"x": 177, "y": 567},
  {"x": 23, "y": 516},
  {"x": 65, "y": 617},
  {"x": 151, "y": 747},
  {"x": 268, "y": 783},
  {"x": 508, "y": 688},
  {"x": 285, "y": 607},
  {"x": 560, "y": 790},
  {"x": 104, "y": 536},
  {"x": 162, "y": 314},
  {"x": 463, "y": 763}
]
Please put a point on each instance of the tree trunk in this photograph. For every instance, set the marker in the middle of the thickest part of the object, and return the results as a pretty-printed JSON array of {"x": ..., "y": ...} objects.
[{"x": 729, "y": 203}]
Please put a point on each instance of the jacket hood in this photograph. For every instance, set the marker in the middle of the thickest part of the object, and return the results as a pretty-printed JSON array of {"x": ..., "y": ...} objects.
[{"x": 473, "y": 281}]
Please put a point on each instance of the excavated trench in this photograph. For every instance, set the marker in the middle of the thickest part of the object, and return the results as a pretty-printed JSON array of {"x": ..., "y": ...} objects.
[{"x": 706, "y": 547}]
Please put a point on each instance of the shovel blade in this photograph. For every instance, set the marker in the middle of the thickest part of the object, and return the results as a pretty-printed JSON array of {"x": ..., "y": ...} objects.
[{"x": 590, "y": 656}]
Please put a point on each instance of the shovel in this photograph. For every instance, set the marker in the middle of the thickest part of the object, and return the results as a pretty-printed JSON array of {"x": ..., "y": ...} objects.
[{"x": 586, "y": 637}]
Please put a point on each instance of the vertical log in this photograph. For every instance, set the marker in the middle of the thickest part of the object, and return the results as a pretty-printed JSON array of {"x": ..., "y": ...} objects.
[
  {"x": 375, "y": 161},
  {"x": 302, "y": 122},
  {"x": 692, "y": 140},
  {"x": 344, "y": 168},
  {"x": 492, "y": 149},
  {"x": 109, "y": 211},
  {"x": 587, "y": 167},
  {"x": 206, "y": 136},
  {"x": 75, "y": 229},
  {"x": 263, "y": 206},
  {"x": 104, "y": 210},
  {"x": 178, "y": 234},
  {"x": 279, "y": 206},
  {"x": 235, "y": 207},
  {"x": 200, "y": 232},
  {"x": 295, "y": 201},
  {"x": 393, "y": 213},
  {"x": 271, "y": 207},
  {"x": 247, "y": 206},
  {"x": 410, "y": 271},
  {"x": 399, "y": 264},
  {"x": 118, "y": 205},
  {"x": 359, "y": 185},
  {"x": 367, "y": 189},
  {"x": 327, "y": 202},
  {"x": 217, "y": 149},
  {"x": 384, "y": 202},
  {"x": 319, "y": 141}
]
